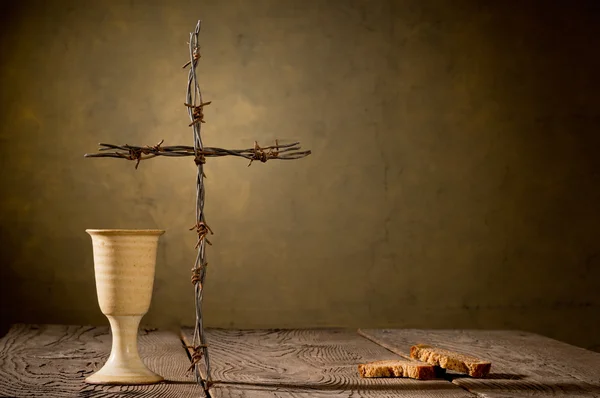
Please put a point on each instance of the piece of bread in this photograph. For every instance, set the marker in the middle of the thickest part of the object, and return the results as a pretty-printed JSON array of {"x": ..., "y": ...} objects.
[
  {"x": 450, "y": 360},
  {"x": 397, "y": 368}
]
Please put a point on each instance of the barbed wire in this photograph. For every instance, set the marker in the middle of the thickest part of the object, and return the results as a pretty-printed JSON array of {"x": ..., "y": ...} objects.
[
  {"x": 195, "y": 107},
  {"x": 194, "y": 104},
  {"x": 289, "y": 151}
]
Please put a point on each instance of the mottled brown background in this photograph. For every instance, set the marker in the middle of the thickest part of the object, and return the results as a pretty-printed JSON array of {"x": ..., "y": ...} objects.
[{"x": 454, "y": 181}]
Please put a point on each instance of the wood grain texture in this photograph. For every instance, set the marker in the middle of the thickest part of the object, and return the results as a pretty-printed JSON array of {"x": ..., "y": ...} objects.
[
  {"x": 523, "y": 364},
  {"x": 306, "y": 363},
  {"x": 53, "y": 360}
]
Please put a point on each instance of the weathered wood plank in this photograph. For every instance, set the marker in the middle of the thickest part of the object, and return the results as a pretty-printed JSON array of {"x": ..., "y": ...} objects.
[
  {"x": 523, "y": 364},
  {"x": 306, "y": 363},
  {"x": 53, "y": 361}
]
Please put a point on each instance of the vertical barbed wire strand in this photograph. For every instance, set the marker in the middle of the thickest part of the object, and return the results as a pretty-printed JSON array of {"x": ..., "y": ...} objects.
[{"x": 194, "y": 97}]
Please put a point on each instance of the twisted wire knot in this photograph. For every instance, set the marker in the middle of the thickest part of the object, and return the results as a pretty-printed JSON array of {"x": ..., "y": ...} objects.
[
  {"x": 155, "y": 148},
  {"x": 135, "y": 154},
  {"x": 195, "y": 56},
  {"x": 259, "y": 153},
  {"x": 197, "y": 355},
  {"x": 196, "y": 278},
  {"x": 197, "y": 112},
  {"x": 202, "y": 229},
  {"x": 274, "y": 152},
  {"x": 199, "y": 158}
]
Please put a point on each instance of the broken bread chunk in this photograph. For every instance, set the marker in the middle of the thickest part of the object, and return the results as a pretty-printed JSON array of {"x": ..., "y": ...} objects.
[
  {"x": 397, "y": 368},
  {"x": 450, "y": 360}
]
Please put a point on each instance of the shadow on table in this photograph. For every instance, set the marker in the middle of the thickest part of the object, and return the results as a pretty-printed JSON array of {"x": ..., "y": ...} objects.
[
  {"x": 421, "y": 385},
  {"x": 494, "y": 382},
  {"x": 491, "y": 376},
  {"x": 507, "y": 382}
]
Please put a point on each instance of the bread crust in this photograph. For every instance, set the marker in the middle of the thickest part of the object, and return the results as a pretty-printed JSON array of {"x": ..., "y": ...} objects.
[
  {"x": 397, "y": 368},
  {"x": 450, "y": 360}
]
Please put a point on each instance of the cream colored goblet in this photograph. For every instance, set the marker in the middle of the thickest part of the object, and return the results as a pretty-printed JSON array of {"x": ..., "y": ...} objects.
[{"x": 124, "y": 262}]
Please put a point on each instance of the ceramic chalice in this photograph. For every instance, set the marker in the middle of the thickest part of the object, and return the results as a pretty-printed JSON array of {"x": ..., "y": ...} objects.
[{"x": 124, "y": 263}]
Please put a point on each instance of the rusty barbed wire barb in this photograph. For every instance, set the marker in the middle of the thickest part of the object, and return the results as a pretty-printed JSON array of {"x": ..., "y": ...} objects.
[
  {"x": 202, "y": 230},
  {"x": 196, "y": 355},
  {"x": 196, "y": 274},
  {"x": 199, "y": 158},
  {"x": 264, "y": 154},
  {"x": 258, "y": 154},
  {"x": 197, "y": 112},
  {"x": 135, "y": 154},
  {"x": 195, "y": 57},
  {"x": 155, "y": 148}
]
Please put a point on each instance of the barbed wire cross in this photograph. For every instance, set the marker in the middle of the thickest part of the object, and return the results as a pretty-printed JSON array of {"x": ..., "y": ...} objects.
[{"x": 195, "y": 107}]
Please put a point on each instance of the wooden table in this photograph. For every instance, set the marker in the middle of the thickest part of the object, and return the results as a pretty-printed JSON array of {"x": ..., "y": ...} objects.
[{"x": 53, "y": 360}]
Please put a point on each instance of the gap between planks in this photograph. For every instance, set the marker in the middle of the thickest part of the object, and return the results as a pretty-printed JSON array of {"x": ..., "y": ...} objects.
[{"x": 187, "y": 343}]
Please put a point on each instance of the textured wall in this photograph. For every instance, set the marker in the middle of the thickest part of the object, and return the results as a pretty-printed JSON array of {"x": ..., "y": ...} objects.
[{"x": 454, "y": 181}]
